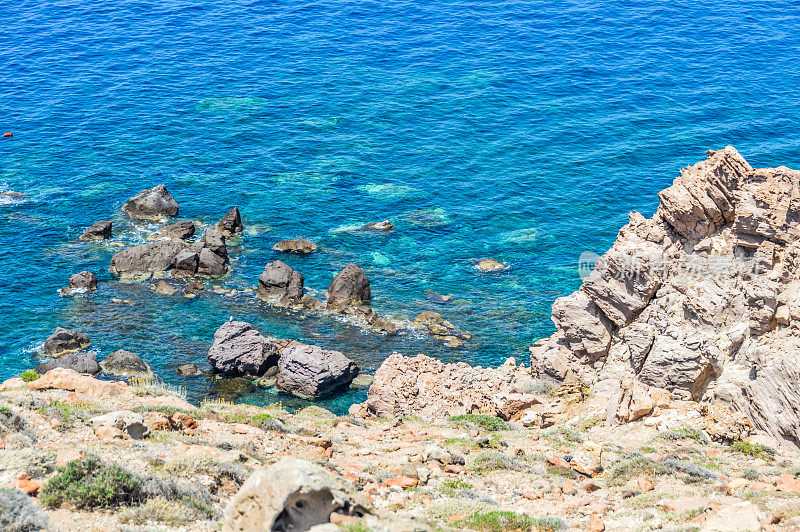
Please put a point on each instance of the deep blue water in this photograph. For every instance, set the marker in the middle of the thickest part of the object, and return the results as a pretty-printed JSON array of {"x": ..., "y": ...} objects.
[{"x": 521, "y": 131}]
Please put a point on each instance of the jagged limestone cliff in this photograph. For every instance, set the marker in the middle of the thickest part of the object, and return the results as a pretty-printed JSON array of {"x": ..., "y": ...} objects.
[{"x": 702, "y": 299}]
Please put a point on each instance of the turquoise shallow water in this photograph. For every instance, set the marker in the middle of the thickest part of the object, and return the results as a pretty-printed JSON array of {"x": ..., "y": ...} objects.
[{"x": 519, "y": 131}]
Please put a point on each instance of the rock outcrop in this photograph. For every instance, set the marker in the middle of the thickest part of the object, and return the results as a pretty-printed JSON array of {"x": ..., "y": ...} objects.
[
  {"x": 85, "y": 363},
  {"x": 231, "y": 223},
  {"x": 297, "y": 245},
  {"x": 80, "y": 283},
  {"x": 432, "y": 389},
  {"x": 310, "y": 371},
  {"x": 154, "y": 204},
  {"x": 292, "y": 495},
  {"x": 98, "y": 231},
  {"x": 122, "y": 363},
  {"x": 153, "y": 257},
  {"x": 239, "y": 349},
  {"x": 698, "y": 300},
  {"x": 208, "y": 256},
  {"x": 280, "y": 284},
  {"x": 64, "y": 341},
  {"x": 350, "y": 288}
]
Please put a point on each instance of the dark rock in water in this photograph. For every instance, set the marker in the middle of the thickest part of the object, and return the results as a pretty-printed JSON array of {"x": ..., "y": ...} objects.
[
  {"x": 188, "y": 370},
  {"x": 125, "y": 364},
  {"x": 64, "y": 341},
  {"x": 80, "y": 362},
  {"x": 151, "y": 204},
  {"x": 239, "y": 349},
  {"x": 192, "y": 289},
  {"x": 82, "y": 282},
  {"x": 152, "y": 257},
  {"x": 231, "y": 223},
  {"x": 297, "y": 245},
  {"x": 214, "y": 241},
  {"x": 98, "y": 231},
  {"x": 279, "y": 283},
  {"x": 385, "y": 226},
  {"x": 176, "y": 231},
  {"x": 310, "y": 371},
  {"x": 211, "y": 264},
  {"x": 186, "y": 262},
  {"x": 84, "y": 279},
  {"x": 350, "y": 288}
]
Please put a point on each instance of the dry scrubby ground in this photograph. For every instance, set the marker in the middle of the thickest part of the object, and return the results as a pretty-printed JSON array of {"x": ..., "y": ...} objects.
[{"x": 472, "y": 472}]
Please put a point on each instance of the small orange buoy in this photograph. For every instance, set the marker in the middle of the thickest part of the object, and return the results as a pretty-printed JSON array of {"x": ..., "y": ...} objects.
[{"x": 9, "y": 134}]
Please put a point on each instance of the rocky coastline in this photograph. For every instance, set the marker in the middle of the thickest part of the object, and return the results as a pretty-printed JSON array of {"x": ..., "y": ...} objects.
[{"x": 666, "y": 398}]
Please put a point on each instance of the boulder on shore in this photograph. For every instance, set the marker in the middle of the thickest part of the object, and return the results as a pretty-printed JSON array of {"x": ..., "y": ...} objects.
[
  {"x": 85, "y": 363},
  {"x": 98, "y": 231},
  {"x": 64, "y": 341},
  {"x": 280, "y": 284},
  {"x": 350, "y": 288},
  {"x": 231, "y": 223},
  {"x": 297, "y": 245},
  {"x": 154, "y": 204},
  {"x": 310, "y": 371},
  {"x": 123, "y": 363},
  {"x": 449, "y": 390},
  {"x": 292, "y": 495},
  {"x": 239, "y": 349}
]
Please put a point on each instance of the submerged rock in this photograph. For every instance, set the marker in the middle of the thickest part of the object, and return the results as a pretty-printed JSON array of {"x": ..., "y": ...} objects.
[
  {"x": 123, "y": 363},
  {"x": 85, "y": 363},
  {"x": 279, "y": 283},
  {"x": 188, "y": 370},
  {"x": 64, "y": 341},
  {"x": 98, "y": 231},
  {"x": 292, "y": 495},
  {"x": 491, "y": 265},
  {"x": 153, "y": 204},
  {"x": 231, "y": 223},
  {"x": 164, "y": 288},
  {"x": 239, "y": 349},
  {"x": 350, "y": 288},
  {"x": 310, "y": 371},
  {"x": 385, "y": 226},
  {"x": 297, "y": 245}
]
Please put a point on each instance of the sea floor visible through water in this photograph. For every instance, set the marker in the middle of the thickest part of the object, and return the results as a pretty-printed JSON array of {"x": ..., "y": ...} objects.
[{"x": 522, "y": 132}]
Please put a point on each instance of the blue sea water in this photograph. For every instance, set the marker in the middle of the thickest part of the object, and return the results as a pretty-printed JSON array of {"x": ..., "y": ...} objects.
[{"x": 519, "y": 131}]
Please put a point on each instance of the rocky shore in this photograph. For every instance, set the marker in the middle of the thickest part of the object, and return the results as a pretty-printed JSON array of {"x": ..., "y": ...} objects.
[{"x": 664, "y": 400}]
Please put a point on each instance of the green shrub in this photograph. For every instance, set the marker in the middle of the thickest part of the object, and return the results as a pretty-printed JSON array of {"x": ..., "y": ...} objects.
[
  {"x": 500, "y": 521},
  {"x": 89, "y": 483},
  {"x": 751, "y": 474},
  {"x": 633, "y": 467},
  {"x": 684, "y": 434},
  {"x": 456, "y": 484},
  {"x": 489, "y": 423},
  {"x": 492, "y": 461},
  {"x": 171, "y": 513},
  {"x": 561, "y": 471},
  {"x": 29, "y": 375},
  {"x": 753, "y": 449}
]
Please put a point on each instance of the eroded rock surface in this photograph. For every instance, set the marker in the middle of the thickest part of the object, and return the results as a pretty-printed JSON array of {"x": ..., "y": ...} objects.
[
  {"x": 350, "y": 288},
  {"x": 98, "y": 231},
  {"x": 310, "y": 371},
  {"x": 279, "y": 283},
  {"x": 239, "y": 349},
  {"x": 231, "y": 223},
  {"x": 123, "y": 363},
  {"x": 64, "y": 341},
  {"x": 81, "y": 362},
  {"x": 297, "y": 245},
  {"x": 699, "y": 300}
]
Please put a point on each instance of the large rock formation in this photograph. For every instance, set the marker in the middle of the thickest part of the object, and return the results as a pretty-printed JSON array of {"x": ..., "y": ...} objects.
[
  {"x": 208, "y": 256},
  {"x": 81, "y": 362},
  {"x": 153, "y": 204},
  {"x": 699, "y": 299},
  {"x": 310, "y": 371},
  {"x": 280, "y": 284},
  {"x": 152, "y": 257},
  {"x": 350, "y": 288},
  {"x": 239, "y": 349},
  {"x": 432, "y": 389},
  {"x": 292, "y": 495},
  {"x": 123, "y": 363}
]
